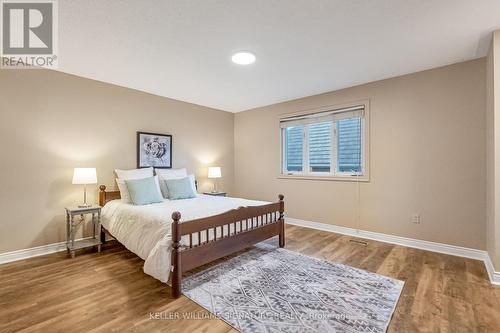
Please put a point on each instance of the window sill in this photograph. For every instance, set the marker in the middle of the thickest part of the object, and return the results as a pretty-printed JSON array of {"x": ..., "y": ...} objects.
[{"x": 364, "y": 179}]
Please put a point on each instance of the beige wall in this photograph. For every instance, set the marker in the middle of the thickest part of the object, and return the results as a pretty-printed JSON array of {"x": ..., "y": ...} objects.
[
  {"x": 52, "y": 122},
  {"x": 427, "y": 156},
  {"x": 493, "y": 150}
]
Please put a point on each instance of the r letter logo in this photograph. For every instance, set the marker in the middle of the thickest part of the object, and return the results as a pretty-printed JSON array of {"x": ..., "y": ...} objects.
[{"x": 29, "y": 36}]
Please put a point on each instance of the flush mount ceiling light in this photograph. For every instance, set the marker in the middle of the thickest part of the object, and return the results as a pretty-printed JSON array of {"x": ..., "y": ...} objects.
[{"x": 243, "y": 58}]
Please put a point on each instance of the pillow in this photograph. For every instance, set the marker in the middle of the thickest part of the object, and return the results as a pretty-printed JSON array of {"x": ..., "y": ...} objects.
[
  {"x": 134, "y": 173},
  {"x": 124, "y": 193},
  {"x": 171, "y": 173},
  {"x": 180, "y": 188},
  {"x": 191, "y": 180},
  {"x": 165, "y": 174},
  {"x": 193, "y": 183},
  {"x": 144, "y": 191}
]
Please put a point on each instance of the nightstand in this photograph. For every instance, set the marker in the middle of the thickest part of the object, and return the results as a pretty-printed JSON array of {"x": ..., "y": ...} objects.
[
  {"x": 216, "y": 194},
  {"x": 72, "y": 225}
]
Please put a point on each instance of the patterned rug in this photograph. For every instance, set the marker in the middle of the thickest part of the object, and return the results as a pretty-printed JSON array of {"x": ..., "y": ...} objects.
[{"x": 268, "y": 289}]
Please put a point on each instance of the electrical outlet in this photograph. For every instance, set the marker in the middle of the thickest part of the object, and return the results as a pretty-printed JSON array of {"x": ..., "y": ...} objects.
[{"x": 415, "y": 218}]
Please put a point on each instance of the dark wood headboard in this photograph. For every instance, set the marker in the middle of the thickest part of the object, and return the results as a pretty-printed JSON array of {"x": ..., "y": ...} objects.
[{"x": 107, "y": 196}]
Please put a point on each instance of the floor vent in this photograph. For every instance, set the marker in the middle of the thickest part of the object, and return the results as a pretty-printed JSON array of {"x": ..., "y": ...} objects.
[{"x": 358, "y": 242}]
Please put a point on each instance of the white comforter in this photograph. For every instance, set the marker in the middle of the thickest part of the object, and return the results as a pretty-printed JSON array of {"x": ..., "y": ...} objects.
[{"x": 146, "y": 230}]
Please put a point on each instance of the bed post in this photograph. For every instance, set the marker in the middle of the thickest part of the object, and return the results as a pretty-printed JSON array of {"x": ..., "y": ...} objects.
[
  {"x": 176, "y": 258},
  {"x": 282, "y": 221},
  {"x": 102, "y": 202},
  {"x": 102, "y": 195}
]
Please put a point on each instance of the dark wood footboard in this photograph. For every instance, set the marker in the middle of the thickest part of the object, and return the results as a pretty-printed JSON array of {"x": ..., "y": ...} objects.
[
  {"x": 210, "y": 238},
  {"x": 198, "y": 242}
]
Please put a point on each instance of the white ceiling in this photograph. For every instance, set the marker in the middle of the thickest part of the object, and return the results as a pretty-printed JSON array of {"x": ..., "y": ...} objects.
[{"x": 182, "y": 49}]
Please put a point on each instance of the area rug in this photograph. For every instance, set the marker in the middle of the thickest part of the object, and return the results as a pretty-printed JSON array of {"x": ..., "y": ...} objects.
[{"x": 269, "y": 289}]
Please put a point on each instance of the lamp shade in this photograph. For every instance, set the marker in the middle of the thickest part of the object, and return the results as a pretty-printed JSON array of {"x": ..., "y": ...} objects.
[
  {"x": 214, "y": 172},
  {"x": 83, "y": 176}
]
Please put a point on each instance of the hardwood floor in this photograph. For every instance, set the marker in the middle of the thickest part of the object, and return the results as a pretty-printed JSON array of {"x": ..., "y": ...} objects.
[{"x": 109, "y": 292}]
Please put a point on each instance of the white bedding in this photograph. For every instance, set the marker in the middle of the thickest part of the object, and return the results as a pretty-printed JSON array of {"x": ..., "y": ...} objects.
[{"x": 146, "y": 230}]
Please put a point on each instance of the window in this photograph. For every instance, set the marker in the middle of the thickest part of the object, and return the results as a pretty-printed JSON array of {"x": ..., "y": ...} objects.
[
  {"x": 349, "y": 145},
  {"x": 319, "y": 140},
  {"x": 328, "y": 144},
  {"x": 293, "y": 147}
]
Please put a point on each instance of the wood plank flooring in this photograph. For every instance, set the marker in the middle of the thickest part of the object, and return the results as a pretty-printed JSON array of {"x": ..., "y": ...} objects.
[{"x": 109, "y": 292}]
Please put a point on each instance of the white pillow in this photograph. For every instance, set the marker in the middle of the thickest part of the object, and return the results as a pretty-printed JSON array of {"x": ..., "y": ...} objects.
[
  {"x": 166, "y": 174},
  {"x": 125, "y": 195},
  {"x": 193, "y": 183},
  {"x": 134, "y": 173},
  {"x": 171, "y": 173}
]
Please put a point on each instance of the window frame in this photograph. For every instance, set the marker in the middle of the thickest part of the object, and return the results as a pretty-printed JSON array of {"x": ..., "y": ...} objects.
[{"x": 334, "y": 174}]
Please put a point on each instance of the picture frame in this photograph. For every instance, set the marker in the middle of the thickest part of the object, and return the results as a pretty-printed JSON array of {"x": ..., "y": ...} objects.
[{"x": 154, "y": 150}]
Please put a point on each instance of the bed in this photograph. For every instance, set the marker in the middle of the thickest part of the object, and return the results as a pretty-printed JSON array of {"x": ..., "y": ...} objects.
[{"x": 174, "y": 237}]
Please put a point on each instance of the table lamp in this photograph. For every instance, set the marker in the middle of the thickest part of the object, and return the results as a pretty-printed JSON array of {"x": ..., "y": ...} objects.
[
  {"x": 214, "y": 172},
  {"x": 84, "y": 176}
]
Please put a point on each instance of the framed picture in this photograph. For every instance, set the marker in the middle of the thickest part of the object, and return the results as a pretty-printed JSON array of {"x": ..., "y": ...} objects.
[{"x": 154, "y": 150}]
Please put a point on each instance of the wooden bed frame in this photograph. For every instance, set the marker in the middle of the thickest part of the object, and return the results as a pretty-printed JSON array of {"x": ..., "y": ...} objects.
[{"x": 256, "y": 224}]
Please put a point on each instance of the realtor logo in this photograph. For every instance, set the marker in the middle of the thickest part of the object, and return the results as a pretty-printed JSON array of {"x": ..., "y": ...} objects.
[{"x": 29, "y": 34}]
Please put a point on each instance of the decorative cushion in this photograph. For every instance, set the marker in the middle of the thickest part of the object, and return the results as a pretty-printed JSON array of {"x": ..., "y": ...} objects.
[
  {"x": 129, "y": 175},
  {"x": 180, "y": 188},
  {"x": 144, "y": 191},
  {"x": 165, "y": 174},
  {"x": 125, "y": 195}
]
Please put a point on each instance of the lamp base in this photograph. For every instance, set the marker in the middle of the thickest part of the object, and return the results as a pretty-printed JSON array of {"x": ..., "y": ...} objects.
[{"x": 85, "y": 206}]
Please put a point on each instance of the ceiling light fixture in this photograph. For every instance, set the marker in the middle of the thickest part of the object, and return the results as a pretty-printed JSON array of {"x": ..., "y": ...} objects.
[{"x": 243, "y": 58}]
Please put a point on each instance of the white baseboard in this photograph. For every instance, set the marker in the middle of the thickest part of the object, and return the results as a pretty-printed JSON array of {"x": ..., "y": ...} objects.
[
  {"x": 408, "y": 242},
  {"x": 33, "y": 252},
  {"x": 494, "y": 276}
]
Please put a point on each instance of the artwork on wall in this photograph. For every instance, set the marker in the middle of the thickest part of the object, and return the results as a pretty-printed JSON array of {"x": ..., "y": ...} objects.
[{"x": 154, "y": 150}]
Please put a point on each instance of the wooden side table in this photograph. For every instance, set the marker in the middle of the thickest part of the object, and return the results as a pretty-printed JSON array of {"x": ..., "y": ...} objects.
[
  {"x": 216, "y": 194},
  {"x": 72, "y": 226}
]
